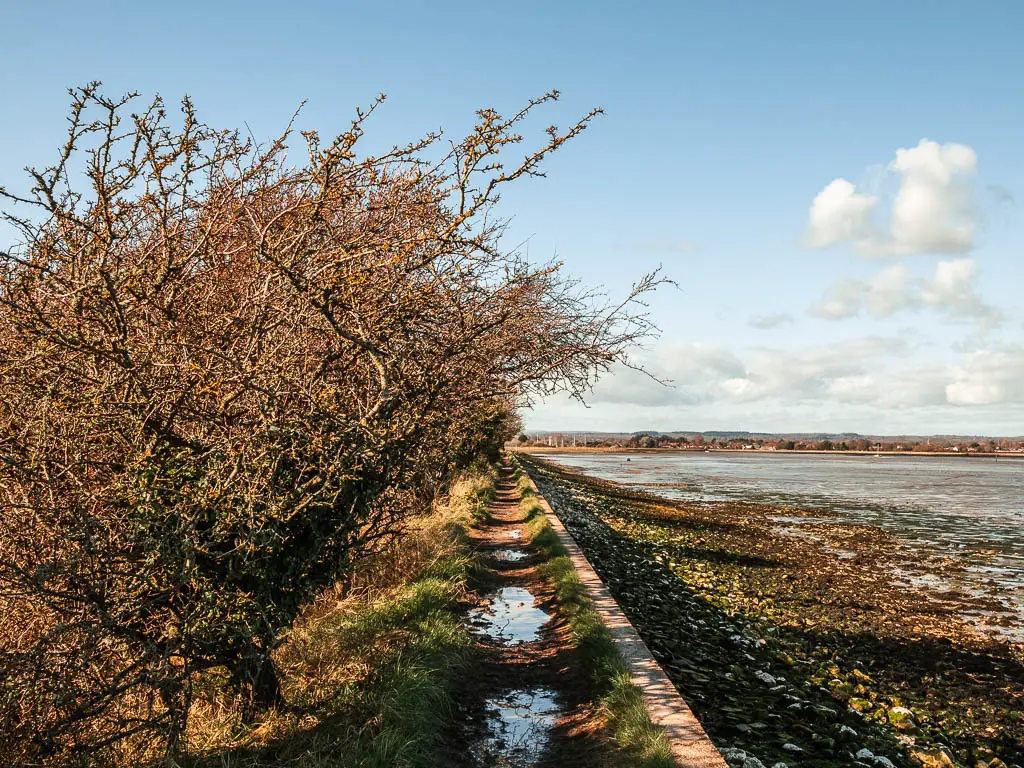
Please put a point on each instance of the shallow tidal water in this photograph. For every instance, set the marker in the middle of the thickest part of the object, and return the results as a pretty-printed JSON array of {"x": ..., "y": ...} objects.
[{"x": 971, "y": 508}]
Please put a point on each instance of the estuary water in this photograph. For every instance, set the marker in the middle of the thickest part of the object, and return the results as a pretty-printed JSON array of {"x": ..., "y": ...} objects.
[{"x": 972, "y": 508}]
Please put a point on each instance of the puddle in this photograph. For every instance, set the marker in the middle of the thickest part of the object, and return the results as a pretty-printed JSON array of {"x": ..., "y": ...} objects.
[
  {"x": 519, "y": 725},
  {"x": 511, "y": 617},
  {"x": 510, "y": 555}
]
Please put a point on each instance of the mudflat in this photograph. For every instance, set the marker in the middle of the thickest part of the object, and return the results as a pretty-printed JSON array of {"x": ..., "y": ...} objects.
[{"x": 801, "y": 648}]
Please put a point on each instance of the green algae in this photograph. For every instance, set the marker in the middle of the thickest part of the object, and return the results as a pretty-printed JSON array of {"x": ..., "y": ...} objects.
[{"x": 775, "y": 641}]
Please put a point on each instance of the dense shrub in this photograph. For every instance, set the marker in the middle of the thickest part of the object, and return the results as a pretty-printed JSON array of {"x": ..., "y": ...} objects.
[{"x": 226, "y": 376}]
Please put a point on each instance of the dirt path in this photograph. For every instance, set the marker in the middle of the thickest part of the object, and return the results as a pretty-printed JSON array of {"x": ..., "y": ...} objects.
[{"x": 527, "y": 702}]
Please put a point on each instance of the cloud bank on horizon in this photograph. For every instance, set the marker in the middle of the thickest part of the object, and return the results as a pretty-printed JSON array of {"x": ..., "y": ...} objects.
[{"x": 955, "y": 364}]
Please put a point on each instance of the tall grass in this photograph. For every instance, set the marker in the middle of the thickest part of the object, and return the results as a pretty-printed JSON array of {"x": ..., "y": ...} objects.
[{"x": 368, "y": 670}]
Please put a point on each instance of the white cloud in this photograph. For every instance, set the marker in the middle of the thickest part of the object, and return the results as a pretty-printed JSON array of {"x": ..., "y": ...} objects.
[
  {"x": 933, "y": 210},
  {"x": 850, "y": 390},
  {"x": 844, "y": 300},
  {"x": 866, "y": 370},
  {"x": 687, "y": 368},
  {"x": 912, "y": 387},
  {"x": 951, "y": 291},
  {"x": 989, "y": 377},
  {"x": 765, "y": 322},
  {"x": 889, "y": 389},
  {"x": 809, "y": 373},
  {"x": 704, "y": 373},
  {"x": 625, "y": 385},
  {"x": 867, "y": 384},
  {"x": 889, "y": 291},
  {"x": 840, "y": 214},
  {"x": 869, "y": 372}
]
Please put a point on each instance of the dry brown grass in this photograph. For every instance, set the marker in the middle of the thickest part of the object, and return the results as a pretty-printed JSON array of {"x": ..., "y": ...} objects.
[{"x": 332, "y": 663}]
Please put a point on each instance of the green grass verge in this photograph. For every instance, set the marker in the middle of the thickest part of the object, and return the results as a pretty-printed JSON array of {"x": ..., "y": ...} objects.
[
  {"x": 629, "y": 721},
  {"x": 406, "y": 703},
  {"x": 369, "y": 681}
]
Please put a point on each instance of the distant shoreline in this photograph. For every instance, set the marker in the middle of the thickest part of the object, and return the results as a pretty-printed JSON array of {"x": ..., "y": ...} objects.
[{"x": 916, "y": 454}]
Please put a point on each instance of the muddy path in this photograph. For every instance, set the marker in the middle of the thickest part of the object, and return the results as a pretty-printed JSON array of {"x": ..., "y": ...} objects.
[{"x": 528, "y": 700}]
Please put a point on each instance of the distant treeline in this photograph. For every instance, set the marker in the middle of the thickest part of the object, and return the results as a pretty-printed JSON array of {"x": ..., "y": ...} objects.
[{"x": 834, "y": 443}]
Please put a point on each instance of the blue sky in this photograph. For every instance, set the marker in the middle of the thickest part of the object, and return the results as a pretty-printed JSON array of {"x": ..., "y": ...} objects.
[{"x": 826, "y": 281}]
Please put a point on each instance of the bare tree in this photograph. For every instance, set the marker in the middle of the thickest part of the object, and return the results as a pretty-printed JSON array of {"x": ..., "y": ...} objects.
[{"x": 224, "y": 378}]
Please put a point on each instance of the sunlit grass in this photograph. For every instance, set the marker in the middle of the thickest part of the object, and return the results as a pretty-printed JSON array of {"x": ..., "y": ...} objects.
[
  {"x": 629, "y": 722},
  {"x": 368, "y": 672}
]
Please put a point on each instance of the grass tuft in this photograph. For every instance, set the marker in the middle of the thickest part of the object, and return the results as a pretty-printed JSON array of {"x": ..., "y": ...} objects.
[
  {"x": 524, "y": 486},
  {"x": 623, "y": 703},
  {"x": 368, "y": 672},
  {"x": 631, "y": 724}
]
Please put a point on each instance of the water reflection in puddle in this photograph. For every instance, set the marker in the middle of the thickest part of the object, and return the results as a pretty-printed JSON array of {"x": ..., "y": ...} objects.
[
  {"x": 511, "y": 617},
  {"x": 519, "y": 726},
  {"x": 509, "y": 555}
]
